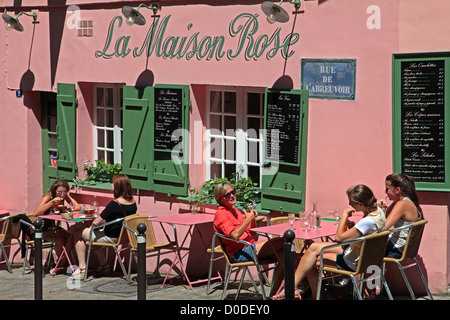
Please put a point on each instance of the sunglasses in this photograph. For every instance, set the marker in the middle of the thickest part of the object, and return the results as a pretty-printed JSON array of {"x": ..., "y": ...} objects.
[
  {"x": 229, "y": 194},
  {"x": 61, "y": 192}
]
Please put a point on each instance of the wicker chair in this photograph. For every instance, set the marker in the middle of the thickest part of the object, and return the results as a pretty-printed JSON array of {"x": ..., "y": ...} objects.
[
  {"x": 130, "y": 224},
  {"x": 410, "y": 252},
  {"x": 121, "y": 240},
  {"x": 243, "y": 265},
  {"x": 372, "y": 253},
  {"x": 9, "y": 231}
]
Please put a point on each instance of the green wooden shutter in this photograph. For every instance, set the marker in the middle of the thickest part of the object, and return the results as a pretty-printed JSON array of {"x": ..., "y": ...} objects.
[
  {"x": 137, "y": 153},
  {"x": 66, "y": 131},
  {"x": 283, "y": 185},
  {"x": 171, "y": 175}
]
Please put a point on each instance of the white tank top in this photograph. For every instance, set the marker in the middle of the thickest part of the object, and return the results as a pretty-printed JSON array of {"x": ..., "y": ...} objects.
[{"x": 398, "y": 239}]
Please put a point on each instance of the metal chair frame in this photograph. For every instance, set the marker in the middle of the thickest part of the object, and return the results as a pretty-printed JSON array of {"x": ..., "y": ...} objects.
[
  {"x": 242, "y": 265},
  {"x": 8, "y": 233},
  {"x": 120, "y": 241},
  {"x": 366, "y": 259},
  {"x": 410, "y": 251}
]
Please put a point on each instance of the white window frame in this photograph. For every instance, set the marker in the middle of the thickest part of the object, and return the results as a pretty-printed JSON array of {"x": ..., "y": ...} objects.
[
  {"x": 117, "y": 108},
  {"x": 242, "y": 137}
]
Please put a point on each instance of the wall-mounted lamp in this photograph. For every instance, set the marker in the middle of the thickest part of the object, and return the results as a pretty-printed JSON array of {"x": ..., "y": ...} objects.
[
  {"x": 13, "y": 22},
  {"x": 134, "y": 16},
  {"x": 275, "y": 13}
]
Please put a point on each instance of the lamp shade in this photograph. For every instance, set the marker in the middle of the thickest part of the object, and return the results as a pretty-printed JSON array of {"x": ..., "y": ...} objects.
[
  {"x": 274, "y": 12},
  {"x": 133, "y": 16},
  {"x": 12, "y": 23}
]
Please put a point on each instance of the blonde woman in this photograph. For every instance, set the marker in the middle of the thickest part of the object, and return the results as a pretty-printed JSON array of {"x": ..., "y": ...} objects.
[{"x": 236, "y": 224}]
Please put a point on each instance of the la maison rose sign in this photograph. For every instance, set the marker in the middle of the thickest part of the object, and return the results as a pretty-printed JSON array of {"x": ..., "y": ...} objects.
[{"x": 243, "y": 40}]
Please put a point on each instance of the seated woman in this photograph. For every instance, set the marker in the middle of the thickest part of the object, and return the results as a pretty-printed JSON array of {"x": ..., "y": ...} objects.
[
  {"x": 123, "y": 205},
  {"x": 235, "y": 224},
  {"x": 57, "y": 194},
  {"x": 360, "y": 198},
  {"x": 405, "y": 209}
]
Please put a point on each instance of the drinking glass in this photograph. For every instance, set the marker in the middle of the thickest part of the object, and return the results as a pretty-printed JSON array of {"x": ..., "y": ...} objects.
[
  {"x": 304, "y": 220},
  {"x": 291, "y": 218},
  {"x": 336, "y": 216}
]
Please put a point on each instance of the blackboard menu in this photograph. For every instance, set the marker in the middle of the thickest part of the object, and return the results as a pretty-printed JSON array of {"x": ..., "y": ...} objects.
[
  {"x": 422, "y": 120},
  {"x": 282, "y": 123},
  {"x": 168, "y": 116}
]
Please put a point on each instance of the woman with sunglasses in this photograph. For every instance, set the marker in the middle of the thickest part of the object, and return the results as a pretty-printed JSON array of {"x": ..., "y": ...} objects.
[
  {"x": 236, "y": 224},
  {"x": 58, "y": 194}
]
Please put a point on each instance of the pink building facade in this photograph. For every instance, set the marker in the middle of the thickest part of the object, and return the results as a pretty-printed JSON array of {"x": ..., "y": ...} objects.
[{"x": 218, "y": 49}]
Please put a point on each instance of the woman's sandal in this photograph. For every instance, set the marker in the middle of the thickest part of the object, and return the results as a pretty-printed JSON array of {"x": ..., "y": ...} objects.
[
  {"x": 79, "y": 273},
  {"x": 281, "y": 295}
]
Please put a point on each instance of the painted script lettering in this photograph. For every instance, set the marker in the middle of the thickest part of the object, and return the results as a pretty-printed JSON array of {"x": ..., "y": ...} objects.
[{"x": 244, "y": 28}]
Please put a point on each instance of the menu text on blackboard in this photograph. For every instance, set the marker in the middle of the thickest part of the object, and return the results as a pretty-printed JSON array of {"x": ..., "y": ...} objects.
[{"x": 422, "y": 120}]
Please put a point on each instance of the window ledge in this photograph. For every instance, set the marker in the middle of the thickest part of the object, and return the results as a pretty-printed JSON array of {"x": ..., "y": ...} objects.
[{"x": 94, "y": 185}]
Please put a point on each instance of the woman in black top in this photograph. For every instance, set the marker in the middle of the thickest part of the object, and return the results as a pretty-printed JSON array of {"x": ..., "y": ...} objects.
[{"x": 123, "y": 205}]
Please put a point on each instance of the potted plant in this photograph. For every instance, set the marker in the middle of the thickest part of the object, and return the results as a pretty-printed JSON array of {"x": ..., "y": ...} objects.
[{"x": 97, "y": 172}]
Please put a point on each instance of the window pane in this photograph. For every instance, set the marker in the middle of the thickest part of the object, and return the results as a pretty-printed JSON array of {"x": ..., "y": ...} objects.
[
  {"x": 100, "y": 139},
  {"x": 254, "y": 103},
  {"x": 110, "y": 157},
  {"x": 229, "y": 170},
  {"x": 216, "y": 170},
  {"x": 216, "y": 148},
  {"x": 230, "y": 147},
  {"x": 216, "y": 101},
  {"x": 101, "y": 155},
  {"x": 100, "y": 117},
  {"x": 230, "y": 124},
  {"x": 254, "y": 123},
  {"x": 100, "y": 97},
  {"x": 110, "y": 139},
  {"x": 253, "y": 151},
  {"x": 110, "y": 97},
  {"x": 230, "y": 102},
  {"x": 109, "y": 118},
  {"x": 215, "y": 122},
  {"x": 53, "y": 141}
]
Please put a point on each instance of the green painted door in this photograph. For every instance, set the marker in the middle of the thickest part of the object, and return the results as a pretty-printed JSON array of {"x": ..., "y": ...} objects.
[{"x": 58, "y": 123}]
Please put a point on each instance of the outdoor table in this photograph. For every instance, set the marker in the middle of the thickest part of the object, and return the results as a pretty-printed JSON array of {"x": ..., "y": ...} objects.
[
  {"x": 77, "y": 218},
  {"x": 327, "y": 229},
  {"x": 185, "y": 219}
]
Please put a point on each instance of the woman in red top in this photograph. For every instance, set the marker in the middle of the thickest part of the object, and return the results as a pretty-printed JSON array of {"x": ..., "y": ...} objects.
[{"x": 235, "y": 224}]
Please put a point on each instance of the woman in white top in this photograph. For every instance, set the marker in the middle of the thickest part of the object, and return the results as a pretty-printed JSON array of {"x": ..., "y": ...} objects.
[
  {"x": 361, "y": 199},
  {"x": 405, "y": 209}
]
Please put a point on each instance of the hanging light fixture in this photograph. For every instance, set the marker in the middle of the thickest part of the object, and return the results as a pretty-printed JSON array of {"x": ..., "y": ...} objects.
[
  {"x": 13, "y": 22},
  {"x": 133, "y": 16},
  {"x": 275, "y": 13}
]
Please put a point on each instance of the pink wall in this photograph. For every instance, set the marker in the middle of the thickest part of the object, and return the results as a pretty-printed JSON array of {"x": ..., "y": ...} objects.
[{"x": 349, "y": 142}]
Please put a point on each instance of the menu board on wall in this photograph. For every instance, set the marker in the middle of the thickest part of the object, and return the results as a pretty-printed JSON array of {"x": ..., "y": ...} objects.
[
  {"x": 168, "y": 117},
  {"x": 423, "y": 126},
  {"x": 420, "y": 120},
  {"x": 283, "y": 125}
]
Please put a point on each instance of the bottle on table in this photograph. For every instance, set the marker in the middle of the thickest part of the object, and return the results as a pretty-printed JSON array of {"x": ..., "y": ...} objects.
[{"x": 315, "y": 217}]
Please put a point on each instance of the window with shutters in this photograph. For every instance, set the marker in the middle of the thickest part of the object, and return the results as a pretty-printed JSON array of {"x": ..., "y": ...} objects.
[
  {"x": 233, "y": 137},
  {"x": 108, "y": 123}
]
